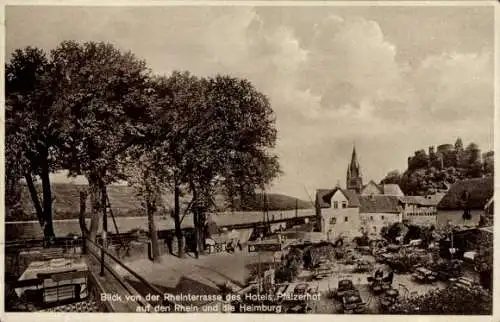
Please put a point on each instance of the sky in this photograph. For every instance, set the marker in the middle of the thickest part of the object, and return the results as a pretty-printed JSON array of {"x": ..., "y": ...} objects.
[{"x": 389, "y": 79}]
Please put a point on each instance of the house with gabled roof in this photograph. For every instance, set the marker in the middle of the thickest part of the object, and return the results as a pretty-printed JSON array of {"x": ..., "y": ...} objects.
[
  {"x": 377, "y": 211},
  {"x": 338, "y": 212},
  {"x": 465, "y": 202},
  {"x": 390, "y": 189},
  {"x": 358, "y": 209},
  {"x": 343, "y": 213},
  {"x": 421, "y": 210}
]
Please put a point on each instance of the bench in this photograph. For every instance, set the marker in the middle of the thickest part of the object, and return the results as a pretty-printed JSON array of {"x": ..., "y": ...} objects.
[
  {"x": 28, "y": 283},
  {"x": 61, "y": 292},
  {"x": 51, "y": 253},
  {"x": 30, "y": 294},
  {"x": 70, "y": 289}
]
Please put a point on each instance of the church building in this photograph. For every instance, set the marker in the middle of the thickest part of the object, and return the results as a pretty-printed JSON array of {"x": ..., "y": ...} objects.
[
  {"x": 354, "y": 179},
  {"x": 357, "y": 209}
]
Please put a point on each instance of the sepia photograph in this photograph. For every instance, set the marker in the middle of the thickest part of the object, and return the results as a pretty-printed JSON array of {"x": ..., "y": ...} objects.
[{"x": 271, "y": 159}]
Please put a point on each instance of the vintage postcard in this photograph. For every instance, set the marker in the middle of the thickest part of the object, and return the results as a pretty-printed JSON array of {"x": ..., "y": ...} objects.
[{"x": 269, "y": 158}]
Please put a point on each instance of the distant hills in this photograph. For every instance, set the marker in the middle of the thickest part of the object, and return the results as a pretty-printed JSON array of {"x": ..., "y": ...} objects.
[
  {"x": 271, "y": 201},
  {"x": 124, "y": 202}
]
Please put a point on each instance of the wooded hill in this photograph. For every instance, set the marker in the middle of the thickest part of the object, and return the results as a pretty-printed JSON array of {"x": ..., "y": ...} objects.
[
  {"x": 125, "y": 202},
  {"x": 437, "y": 169}
]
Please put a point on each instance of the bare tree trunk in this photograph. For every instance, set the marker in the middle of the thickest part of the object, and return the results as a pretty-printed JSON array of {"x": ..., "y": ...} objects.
[
  {"x": 95, "y": 192},
  {"x": 196, "y": 233},
  {"x": 178, "y": 230},
  {"x": 81, "y": 219},
  {"x": 195, "y": 211},
  {"x": 201, "y": 232},
  {"x": 47, "y": 204},
  {"x": 104, "y": 198},
  {"x": 34, "y": 198},
  {"x": 150, "y": 209}
]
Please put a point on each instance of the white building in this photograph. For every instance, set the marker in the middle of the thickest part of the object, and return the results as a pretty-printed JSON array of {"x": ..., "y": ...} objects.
[
  {"x": 420, "y": 210},
  {"x": 338, "y": 210},
  {"x": 378, "y": 211},
  {"x": 343, "y": 213}
]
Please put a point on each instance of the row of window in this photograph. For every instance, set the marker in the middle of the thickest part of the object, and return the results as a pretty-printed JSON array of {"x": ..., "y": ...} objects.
[
  {"x": 333, "y": 220},
  {"x": 422, "y": 214},
  {"x": 336, "y": 204},
  {"x": 381, "y": 218}
]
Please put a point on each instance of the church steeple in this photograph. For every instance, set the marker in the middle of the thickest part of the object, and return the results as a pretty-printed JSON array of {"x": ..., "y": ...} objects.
[{"x": 354, "y": 179}]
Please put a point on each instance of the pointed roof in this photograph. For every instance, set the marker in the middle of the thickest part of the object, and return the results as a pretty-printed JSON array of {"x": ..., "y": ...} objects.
[
  {"x": 379, "y": 204},
  {"x": 354, "y": 159},
  {"x": 324, "y": 197},
  {"x": 392, "y": 189},
  {"x": 373, "y": 184}
]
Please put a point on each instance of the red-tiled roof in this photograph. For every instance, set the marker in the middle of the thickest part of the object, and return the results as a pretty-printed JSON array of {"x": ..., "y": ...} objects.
[
  {"x": 480, "y": 191},
  {"x": 379, "y": 204}
]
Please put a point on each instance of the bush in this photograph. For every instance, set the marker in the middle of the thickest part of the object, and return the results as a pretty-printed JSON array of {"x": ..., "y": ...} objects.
[
  {"x": 448, "y": 301},
  {"x": 362, "y": 240},
  {"x": 391, "y": 232}
]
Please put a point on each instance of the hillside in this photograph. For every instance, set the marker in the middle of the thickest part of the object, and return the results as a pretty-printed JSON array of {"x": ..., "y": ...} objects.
[
  {"x": 124, "y": 202},
  {"x": 274, "y": 202},
  {"x": 436, "y": 170}
]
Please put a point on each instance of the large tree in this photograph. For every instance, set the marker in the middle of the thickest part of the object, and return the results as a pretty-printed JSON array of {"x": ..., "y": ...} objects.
[
  {"x": 392, "y": 177},
  {"x": 33, "y": 129},
  {"x": 236, "y": 151},
  {"x": 106, "y": 96},
  {"x": 178, "y": 99},
  {"x": 223, "y": 130},
  {"x": 148, "y": 175}
]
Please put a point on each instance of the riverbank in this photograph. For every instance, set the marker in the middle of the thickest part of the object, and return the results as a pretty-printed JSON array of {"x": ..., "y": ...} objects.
[{"x": 31, "y": 229}]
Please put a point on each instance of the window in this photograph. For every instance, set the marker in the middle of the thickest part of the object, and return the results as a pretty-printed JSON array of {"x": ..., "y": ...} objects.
[
  {"x": 344, "y": 204},
  {"x": 333, "y": 221},
  {"x": 374, "y": 228},
  {"x": 335, "y": 204},
  {"x": 382, "y": 217},
  {"x": 346, "y": 219},
  {"x": 371, "y": 218}
]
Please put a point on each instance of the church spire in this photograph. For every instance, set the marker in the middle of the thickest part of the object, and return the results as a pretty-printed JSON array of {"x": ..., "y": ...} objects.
[
  {"x": 354, "y": 159},
  {"x": 354, "y": 179}
]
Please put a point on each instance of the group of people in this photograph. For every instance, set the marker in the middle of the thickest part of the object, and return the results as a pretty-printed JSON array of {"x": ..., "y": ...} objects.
[
  {"x": 233, "y": 245},
  {"x": 379, "y": 274}
]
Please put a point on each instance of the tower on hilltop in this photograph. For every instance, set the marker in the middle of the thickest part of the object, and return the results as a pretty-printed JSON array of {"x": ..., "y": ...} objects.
[{"x": 354, "y": 179}]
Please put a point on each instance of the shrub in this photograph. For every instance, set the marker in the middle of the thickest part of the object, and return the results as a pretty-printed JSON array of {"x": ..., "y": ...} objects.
[{"x": 448, "y": 301}]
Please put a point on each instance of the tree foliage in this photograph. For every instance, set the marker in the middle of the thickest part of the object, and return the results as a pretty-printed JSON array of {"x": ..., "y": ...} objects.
[
  {"x": 448, "y": 301},
  {"x": 32, "y": 128},
  {"x": 222, "y": 131},
  {"x": 105, "y": 97},
  {"x": 97, "y": 111},
  {"x": 392, "y": 177},
  {"x": 146, "y": 173},
  {"x": 428, "y": 173}
]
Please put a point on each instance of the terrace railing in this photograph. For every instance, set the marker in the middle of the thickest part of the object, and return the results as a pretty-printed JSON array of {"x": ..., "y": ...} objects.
[{"x": 108, "y": 266}]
